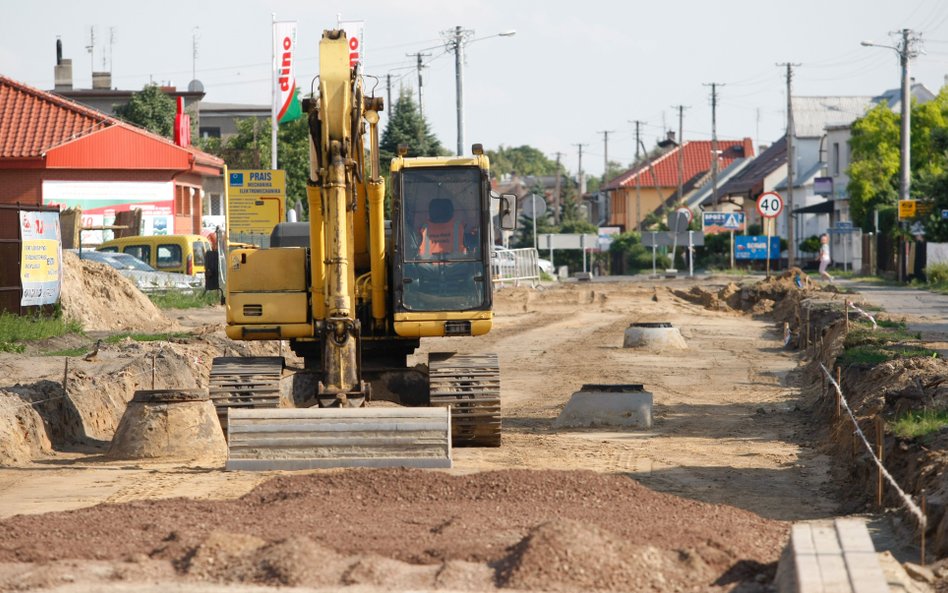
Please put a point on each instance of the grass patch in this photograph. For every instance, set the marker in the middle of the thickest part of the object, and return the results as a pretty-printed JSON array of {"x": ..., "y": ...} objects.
[
  {"x": 180, "y": 300},
  {"x": 920, "y": 423},
  {"x": 873, "y": 354},
  {"x": 15, "y": 330},
  {"x": 863, "y": 335},
  {"x": 165, "y": 337}
]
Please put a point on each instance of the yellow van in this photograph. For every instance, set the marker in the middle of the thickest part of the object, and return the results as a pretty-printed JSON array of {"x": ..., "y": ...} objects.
[{"x": 168, "y": 253}]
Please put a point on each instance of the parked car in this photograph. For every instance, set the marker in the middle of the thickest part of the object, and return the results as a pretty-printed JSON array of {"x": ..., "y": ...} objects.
[
  {"x": 167, "y": 253},
  {"x": 145, "y": 277}
]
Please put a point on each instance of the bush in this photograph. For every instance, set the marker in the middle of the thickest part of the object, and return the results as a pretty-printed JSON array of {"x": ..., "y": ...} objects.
[
  {"x": 937, "y": 275},
  {"x": 811, "y": 244}
]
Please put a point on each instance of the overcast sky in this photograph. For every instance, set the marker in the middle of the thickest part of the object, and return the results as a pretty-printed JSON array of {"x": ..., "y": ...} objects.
[{"x": 572, "y": 70}]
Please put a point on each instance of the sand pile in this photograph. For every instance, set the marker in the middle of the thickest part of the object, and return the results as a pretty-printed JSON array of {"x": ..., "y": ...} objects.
[{"x": 101, "y": 299}]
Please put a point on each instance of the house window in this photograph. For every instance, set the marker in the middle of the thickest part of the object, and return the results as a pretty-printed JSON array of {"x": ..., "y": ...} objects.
[
  {"x": 835, "y": 158},
  {"x": 217, "y": 204},
  {"x": 208, "y": 132}
]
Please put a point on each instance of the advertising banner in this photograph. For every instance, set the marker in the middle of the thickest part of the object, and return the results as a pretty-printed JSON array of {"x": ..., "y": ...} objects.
[
  {"x": 101, "y": 200},
  {"x": 41, "y": 258},
  {"x": 256, "y": 200},
  {"x": 354, "y": 31},
  {"x": 755, "y": 247},
  {"x": 722, "y": 222},
  {"x": 286, "y": 103}
]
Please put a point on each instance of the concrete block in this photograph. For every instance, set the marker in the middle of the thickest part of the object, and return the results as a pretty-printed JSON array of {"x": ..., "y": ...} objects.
[
  {"x": 654, "y": 336},
  {"x": 623, "y": 406}
]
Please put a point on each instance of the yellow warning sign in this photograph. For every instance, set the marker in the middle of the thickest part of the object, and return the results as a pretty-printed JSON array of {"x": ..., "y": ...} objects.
[{"x": 907, "y": 209}]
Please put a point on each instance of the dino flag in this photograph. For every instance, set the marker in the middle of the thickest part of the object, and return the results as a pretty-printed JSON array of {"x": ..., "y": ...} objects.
[{"x": 286, "y": 102}]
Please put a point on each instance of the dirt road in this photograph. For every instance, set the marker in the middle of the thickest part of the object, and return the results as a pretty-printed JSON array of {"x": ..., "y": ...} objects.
[{"x": 727, "y": 424}]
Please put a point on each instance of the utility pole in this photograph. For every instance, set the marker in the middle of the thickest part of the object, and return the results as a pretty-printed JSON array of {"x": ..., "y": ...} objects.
[
  {"x": 420, "y": 66},
  {"x": 791, "y": 179},
  {"x": 907, "y": 48},
  {"x": 388, "y": 91},
  {"x": 681, "y": 149},
  {"x": 580, "y": 179},
  {"x": 638, "y": 181},
  {"x": 714, "y": 140},
  {"x": 605, "y": 153},
  {"x": 556, "y": 196}
]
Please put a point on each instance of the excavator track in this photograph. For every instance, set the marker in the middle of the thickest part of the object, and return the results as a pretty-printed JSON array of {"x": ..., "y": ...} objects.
[
  {"x": 244, "y": 382},
  {"x": 470, "y": 385}
]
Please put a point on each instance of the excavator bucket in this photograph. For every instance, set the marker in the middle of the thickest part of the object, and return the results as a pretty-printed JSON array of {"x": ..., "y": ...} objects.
[{"x": 313, "y": 438}]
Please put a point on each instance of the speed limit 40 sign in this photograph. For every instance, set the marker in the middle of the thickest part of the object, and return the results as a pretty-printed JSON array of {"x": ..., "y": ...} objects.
[{"x": 770, "y": 204}]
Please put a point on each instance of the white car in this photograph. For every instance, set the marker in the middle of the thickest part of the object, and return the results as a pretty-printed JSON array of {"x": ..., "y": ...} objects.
[
  {"x": 546, "y": 266},
  {"x": 145, "y": 277}
]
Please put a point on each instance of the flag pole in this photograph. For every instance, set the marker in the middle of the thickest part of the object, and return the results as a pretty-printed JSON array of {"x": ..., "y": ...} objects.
[{"x": 274, "y": 124}]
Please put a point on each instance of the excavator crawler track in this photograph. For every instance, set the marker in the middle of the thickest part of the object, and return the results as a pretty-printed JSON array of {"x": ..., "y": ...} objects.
[
  {"x": 245, "y": 382},
  {"x": 470, "y": 385}
]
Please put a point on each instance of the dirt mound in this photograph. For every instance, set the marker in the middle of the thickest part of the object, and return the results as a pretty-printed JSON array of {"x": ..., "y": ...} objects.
[
  {"x": 569, "y": 556},
  {"x": 417, "y": 525},
  {"x": 101, "y": 299}
]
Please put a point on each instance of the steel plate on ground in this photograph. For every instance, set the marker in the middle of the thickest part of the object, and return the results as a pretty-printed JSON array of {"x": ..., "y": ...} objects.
[{"x": 312, "y": 438}]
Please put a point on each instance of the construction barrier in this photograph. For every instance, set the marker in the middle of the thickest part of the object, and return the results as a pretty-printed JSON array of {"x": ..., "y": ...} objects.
[{"x": 514, "y": 266}]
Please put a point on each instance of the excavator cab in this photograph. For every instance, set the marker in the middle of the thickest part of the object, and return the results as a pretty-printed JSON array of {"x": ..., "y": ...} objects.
[{"x": 441, "y": 224}]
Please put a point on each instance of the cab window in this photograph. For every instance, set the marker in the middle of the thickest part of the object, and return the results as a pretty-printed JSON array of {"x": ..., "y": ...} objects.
[
  {"x": 169, "y": 256},
  {"x": 198, "y": 247},
  {"x": 142, "y": 252}
]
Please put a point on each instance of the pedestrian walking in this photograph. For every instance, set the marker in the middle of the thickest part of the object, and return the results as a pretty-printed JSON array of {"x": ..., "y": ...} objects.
[{"x": 824, "y": 257}]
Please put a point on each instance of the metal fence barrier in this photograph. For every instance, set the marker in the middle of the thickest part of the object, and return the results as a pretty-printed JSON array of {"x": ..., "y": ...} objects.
[{"x": 514, "y": 266}]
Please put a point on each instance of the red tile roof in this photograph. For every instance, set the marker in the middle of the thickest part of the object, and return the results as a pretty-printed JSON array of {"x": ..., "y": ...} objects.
[
  {"x": 34, "y": 122},
  {"x": 697, "y": 160}
]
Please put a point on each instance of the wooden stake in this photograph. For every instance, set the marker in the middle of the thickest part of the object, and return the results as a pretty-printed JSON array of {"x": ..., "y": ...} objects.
[
  {"x": 924, "y": 514},
  {"x": 839, "y": 388},
  {"x": 879, "y": 452},
  {"x": 808, "y": 328},
  {"x": 65, "y": 374},
  {"x": 846, "y": 308},
  {"x": 153, "y": 368}
]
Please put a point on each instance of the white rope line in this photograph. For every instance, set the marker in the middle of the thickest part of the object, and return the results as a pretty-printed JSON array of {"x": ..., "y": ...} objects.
[
  {"x": 864, "y": 314},
  {"x": 909, "y": 503}
]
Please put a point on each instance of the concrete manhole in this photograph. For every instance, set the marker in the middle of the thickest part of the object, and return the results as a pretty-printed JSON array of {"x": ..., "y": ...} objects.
[
  {"x": 656, "y": 335},
  {"x": 623, "y": 405},
  {"x": 179, "y": 424}
]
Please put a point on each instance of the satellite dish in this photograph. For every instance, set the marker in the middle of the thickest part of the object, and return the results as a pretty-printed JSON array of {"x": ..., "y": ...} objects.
[
  {"x": 195, "y": 86},
  {"x": 533, "y": 206}
]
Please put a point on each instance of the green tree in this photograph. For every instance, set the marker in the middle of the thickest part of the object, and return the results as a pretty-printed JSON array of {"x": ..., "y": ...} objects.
[
  {"x": 150, "y": 108},
  {"x": 407, "y": 126},
  {"x": 874, "y": 170},
  {"x": 522, "y": 160},
  {"x": 615, "y": 169}
]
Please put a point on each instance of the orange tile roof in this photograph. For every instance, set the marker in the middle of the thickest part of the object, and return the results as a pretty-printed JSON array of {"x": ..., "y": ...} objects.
[
  {"x": 697, "y": 160},
  {"x": 33, "y": 122}
]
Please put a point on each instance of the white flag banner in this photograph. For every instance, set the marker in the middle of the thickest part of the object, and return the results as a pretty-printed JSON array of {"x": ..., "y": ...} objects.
[
  {"x": 286, "y": 105},
  {"x": 354, "y": 33}
]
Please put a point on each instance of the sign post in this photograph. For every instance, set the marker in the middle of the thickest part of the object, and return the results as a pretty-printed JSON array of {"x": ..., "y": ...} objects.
[
  {"x": 723, "y": 222},
  {"x": 770, "y": 205}
]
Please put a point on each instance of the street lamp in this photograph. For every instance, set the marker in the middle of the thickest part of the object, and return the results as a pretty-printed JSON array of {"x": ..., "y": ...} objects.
[
  {"x": 456, "y": 40},
  {"x": 906, "y": 51}
]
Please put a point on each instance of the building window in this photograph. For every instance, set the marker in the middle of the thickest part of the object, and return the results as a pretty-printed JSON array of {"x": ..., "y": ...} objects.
[
  {"x": 208, "y": 132},
  {"x": 835, "y": 158}
]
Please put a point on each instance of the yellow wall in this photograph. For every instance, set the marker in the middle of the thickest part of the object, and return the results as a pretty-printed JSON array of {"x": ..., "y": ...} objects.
[{"x": 649, "y": 201}]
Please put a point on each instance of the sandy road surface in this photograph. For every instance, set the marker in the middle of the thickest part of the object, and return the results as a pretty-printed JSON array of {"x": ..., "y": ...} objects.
[{"x": 725, "y": 429}]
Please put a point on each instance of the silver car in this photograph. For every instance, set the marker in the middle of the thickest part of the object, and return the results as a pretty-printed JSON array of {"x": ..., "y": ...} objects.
[{"x": 145, "y": 277}]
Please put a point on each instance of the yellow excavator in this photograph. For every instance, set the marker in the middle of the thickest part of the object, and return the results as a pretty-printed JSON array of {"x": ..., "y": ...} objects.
[{"x": 354, "y": 294}]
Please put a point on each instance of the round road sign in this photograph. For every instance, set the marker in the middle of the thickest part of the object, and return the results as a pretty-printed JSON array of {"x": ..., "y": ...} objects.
[
  {"x": 685, "y": 211},
  {"x": 769, "y": 204}
]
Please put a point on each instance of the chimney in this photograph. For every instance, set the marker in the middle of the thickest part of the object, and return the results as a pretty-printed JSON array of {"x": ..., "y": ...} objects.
[
  {"x": 101, "y": 80},
  {"x": 670, "y": 135},
  {"x": 62, "y": 73}
]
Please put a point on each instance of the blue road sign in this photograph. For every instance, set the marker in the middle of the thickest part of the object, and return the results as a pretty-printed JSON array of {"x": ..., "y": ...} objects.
[
  {"x": 236, "y": 179},
  {"x": 722, "y": 222},
  {"x": 755, "y": 247}
]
